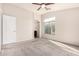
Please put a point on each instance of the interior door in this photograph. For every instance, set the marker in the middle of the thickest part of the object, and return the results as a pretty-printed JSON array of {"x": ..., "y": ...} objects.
[{"x": 9, "y": 29}]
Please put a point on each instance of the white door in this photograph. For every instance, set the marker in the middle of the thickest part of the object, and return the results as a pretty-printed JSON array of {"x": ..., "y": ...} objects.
[{"x": 9, "y": 29}]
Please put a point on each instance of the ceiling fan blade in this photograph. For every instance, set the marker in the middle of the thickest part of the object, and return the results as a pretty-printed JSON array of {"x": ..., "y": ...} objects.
[
  {"x": 49, "y": 3},
  {"x": 39, "y": 8},
  {"x": 47, "y": 8},
  {"x": 36, "y": 3}
]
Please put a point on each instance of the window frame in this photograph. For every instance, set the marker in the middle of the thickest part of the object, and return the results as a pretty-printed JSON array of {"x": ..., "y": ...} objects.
[{"x": 51, "y": 22}]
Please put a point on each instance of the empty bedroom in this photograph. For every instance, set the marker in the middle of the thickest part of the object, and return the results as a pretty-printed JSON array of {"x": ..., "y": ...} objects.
[{"x": 39, "y": 29}]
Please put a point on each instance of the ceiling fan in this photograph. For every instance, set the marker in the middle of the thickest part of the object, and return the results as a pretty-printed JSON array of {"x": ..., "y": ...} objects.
[{"x": 43, "y": 5}]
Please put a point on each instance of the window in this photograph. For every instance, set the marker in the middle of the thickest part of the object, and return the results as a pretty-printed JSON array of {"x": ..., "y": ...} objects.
[
  {"x": 49, "y": 26},
  {"x": 53, "y": 27}
]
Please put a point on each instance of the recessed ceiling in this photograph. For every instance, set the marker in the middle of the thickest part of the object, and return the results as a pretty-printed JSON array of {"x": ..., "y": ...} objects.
[{"x": 54, "y": 7}]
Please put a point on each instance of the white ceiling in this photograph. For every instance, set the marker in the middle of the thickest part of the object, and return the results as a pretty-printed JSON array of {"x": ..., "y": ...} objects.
[{"x": 55, "y": 7}]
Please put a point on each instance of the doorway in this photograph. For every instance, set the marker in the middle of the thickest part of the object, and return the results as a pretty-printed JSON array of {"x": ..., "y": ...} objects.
[{"x": 9, "y": 29}]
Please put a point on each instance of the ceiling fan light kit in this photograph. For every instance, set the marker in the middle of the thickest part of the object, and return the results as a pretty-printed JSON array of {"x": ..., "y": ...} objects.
[{"x": 43, "y": 6}]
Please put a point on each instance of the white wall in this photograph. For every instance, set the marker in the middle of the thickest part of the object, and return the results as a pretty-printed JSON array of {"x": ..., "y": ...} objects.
[
  {"x": 67, "y": 25},
  {"x": 0, "y": 24},
  {"x": 24, "y": 21}
]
